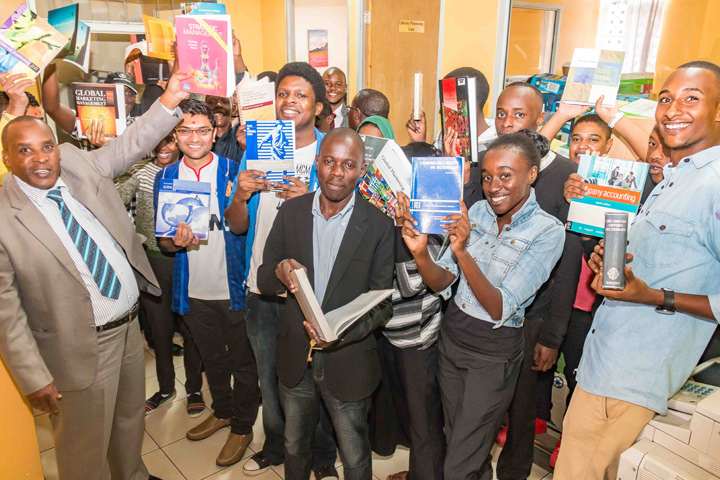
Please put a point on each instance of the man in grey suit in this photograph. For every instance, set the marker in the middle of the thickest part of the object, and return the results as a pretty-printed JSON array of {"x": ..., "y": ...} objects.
[{"x": 71, "y": 266}]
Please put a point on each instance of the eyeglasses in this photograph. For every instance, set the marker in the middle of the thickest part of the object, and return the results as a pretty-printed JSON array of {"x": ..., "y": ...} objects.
[{"x": 186, "y": 132}]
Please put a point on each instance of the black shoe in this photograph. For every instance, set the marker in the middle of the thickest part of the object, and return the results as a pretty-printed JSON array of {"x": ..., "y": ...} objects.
[
  {"x": 154, "y": 402},
  {"x": 328, "y": 472},
  {"x": 153, "y": 477},
  {"x": 178, "y": 350}
]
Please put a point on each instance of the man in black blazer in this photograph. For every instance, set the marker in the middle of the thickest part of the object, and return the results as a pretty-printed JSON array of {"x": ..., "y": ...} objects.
[{"x": 347, "y": 247}]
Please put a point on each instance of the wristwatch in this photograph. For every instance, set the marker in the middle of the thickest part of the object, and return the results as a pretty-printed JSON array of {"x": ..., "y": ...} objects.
[{"x": 668, "y": 306}]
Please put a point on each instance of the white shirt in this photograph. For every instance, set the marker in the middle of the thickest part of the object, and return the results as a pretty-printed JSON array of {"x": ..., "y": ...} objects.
[
  {"x": 338, "y": 116},
  {"x": 105, "y": 309},
  {"x": 268, "y": 207},
  {"x": 207, "y": 262}
]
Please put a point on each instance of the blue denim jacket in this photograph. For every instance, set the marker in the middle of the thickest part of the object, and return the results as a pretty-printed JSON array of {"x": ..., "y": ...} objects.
[
  {"x": 517, "y": 261},
  {"x": 638, "y": 355}
]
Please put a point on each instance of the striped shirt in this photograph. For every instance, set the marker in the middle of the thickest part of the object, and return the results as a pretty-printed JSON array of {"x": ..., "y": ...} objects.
[
  {"x": 105, "y": 309},
  {"x": 139, "y": 187},
  {"x": 417, "y": 311}
]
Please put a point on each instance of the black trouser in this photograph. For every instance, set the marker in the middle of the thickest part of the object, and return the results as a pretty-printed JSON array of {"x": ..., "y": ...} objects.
[
  {"x": 221, "y": 338},
  {"x": 476, "y": 392},
  {"x": 516, "y": 458},
  {"x": 162, "y": 325},
  {"x": 572, "y": 347},
  {"x": 416, "y": 395}
]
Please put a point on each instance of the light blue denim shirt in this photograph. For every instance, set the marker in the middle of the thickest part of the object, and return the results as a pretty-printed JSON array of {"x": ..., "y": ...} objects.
[
  {"x": 517, "y": 260},
  {"x": 633, "y": 353},
  {"x": 327, "y": 237}
]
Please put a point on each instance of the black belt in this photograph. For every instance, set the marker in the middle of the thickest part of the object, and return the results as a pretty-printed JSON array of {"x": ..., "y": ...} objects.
[{"x": 121, "y": 320}]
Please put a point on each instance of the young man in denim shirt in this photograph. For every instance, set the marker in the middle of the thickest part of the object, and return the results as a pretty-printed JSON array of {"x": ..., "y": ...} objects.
[{"x": 646, "y": 339}]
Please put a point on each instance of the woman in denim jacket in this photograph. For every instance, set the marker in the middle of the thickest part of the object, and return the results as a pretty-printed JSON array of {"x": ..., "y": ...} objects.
[{"x": 502, "y": 251}]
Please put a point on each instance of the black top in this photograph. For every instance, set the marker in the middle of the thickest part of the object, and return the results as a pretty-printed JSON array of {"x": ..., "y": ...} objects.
[
  {"x": 227, "y": 146},
  {"x": 479, "y": 336}
]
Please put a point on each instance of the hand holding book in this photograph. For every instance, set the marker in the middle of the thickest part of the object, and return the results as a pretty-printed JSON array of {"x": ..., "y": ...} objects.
[
  {"x": 415, "y": 241},
  {"x": 283, "y": 273},
  {"x": 458, "y": 228},
  {"x": 15, "y": 85}
]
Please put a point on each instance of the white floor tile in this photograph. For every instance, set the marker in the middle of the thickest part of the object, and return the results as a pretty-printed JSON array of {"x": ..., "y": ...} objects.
[
  {"x": 196, "y": 460},
  {"x": 148, "y": 444},
  {"x": 538, "y": 473},
  {"x": 384, "y": 466},
  {"x": 43, "y": 429},
  {"x": 170, "y": 423},
  {"x": 159, "y": 465},
  {"x": 49, "y": 465}
]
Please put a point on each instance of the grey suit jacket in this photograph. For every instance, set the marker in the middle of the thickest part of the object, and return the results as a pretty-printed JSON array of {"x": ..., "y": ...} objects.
[{"x": 47, "y": 329}]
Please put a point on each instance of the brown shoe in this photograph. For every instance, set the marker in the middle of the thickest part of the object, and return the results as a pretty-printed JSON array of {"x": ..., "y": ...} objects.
[
  {"x": 234, "y": 449},
  {"x": 208, "y": 426}
]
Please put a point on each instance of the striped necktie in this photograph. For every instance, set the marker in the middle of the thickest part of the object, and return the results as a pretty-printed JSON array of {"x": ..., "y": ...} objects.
[{"x": 99, "y": 267}]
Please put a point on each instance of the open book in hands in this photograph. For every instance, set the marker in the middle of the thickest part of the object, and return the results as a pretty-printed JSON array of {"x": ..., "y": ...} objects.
[{"x": 330, "y": 326}]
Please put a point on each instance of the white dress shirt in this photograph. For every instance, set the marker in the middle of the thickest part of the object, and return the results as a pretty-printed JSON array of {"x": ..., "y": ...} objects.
[{"x": 105, "y": 309}]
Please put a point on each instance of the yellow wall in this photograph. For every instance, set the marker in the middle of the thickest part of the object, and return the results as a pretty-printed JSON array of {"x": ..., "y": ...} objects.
[
  {"x": 20, "y": 456},
  {"x": 247, "y": 23},
  {"x": 578, "y": 26},
  {"x": 525, "y": 42},
  {"x": 469, "y": 37},
  {"x": 274, "y": 30},
  {"x": 678, "y": 45}
]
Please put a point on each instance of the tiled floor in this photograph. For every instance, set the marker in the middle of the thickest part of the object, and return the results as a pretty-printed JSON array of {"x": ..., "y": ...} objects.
[{"x": 170, "y": 456}]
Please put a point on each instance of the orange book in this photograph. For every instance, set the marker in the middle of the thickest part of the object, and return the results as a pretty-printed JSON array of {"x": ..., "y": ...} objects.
[
  {"x": 160, "y": 34},
  {"x": 100, "y": 102}
]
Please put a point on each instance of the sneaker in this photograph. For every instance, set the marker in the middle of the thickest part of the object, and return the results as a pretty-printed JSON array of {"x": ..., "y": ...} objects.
[
  {"x": 195, "y": 404},
  {"x": 328, "y": 472},
  {"x": 257, "y": 464},
  {"x": 154, "y": 402},
  {"x": 501, "y": 437},
  {"x": 555, "y": 455}
]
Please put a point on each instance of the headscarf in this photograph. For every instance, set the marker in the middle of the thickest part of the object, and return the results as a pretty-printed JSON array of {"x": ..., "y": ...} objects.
[{"x": 382, "y": 123}]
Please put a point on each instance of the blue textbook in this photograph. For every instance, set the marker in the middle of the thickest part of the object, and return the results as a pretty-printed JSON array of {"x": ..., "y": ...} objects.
[
  {"x": 271, "y": 149},
  {"x": 202, "y": 8},
  {"x": 183, "y": 201},
  {"x": 437, "y": 188}
]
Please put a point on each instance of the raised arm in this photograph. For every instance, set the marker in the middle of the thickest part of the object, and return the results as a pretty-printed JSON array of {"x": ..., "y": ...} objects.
[
  {"x": 626, "y": 128},
  {"x": 62, "y": 115},
  {"x": 565, "y": 112}
]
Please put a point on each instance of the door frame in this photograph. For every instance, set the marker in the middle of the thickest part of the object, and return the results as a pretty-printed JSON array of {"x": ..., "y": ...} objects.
[{"x": 556, "y": 27}]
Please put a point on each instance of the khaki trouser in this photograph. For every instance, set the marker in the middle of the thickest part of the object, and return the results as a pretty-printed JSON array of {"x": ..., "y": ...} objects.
[
  {"x": 596, "y": 430},
  {"x": 99, "y": 431}
]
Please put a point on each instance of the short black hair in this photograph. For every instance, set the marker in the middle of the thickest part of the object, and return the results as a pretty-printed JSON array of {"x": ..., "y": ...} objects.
[
  {"x": 593, "y": 118},
  {"x": 327, "y": 108},
  {"x": 705, "y": 66},
  {"x": 482, "y": 87},
  {"x": 5, "y": 101},
  {"x": 272, "y": 76},
  {"x": 420, "y": 149},
  {"x": 197, "y": 107},
  {"x": 372, "y": 103},
  {"x": 5, "y": 136},
  {"x": 533, "y": 89},
  {"x": 520, "y": 144},
  {"x": 541, "y": 143},
  {"x": 306, "y": 71},
  {"x": 345, "y": 133}
]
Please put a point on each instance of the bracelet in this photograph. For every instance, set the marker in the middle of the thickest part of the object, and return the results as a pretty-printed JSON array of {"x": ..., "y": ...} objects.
[{"x": 613, "y": 121}]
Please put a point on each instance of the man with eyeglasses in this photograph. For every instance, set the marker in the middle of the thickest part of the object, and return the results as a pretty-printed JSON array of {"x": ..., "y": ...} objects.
[
  {"x": 367, "y": 103},
  {"x": 336, "y": 93},
  {"x": 208, "y": 287}
]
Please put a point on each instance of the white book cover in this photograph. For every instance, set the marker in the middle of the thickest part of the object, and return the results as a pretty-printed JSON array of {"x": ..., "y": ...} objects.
[
  {"x": 418, "y": 93},
  {"x": 183, "y": 201}
]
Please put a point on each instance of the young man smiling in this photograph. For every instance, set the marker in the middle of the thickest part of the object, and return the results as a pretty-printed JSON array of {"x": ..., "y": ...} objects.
[
  {"x": 347, "y": 247},
  {"x": 336, "y": 93},
  {"x": 207, "y": 287},
  {"x": 646, "y": 339},
  {"x": 300, "y": 96}
]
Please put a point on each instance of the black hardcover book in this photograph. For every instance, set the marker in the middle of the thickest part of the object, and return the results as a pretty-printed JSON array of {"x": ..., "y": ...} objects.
[{"x": 614, "y": 259}]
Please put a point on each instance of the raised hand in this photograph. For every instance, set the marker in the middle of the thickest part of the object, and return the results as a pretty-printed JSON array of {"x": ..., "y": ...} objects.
[
  {"x": 295, "y": 188},
  {"x": 241, "y": 136},
  {"x": 415, "y": 241},
  {"x": 458, "y": 229},
  {"x": 174, "y": 92},
  {"x": 249, "y": 182},
  {"x": 184, "y": 236},
  {"x": 417, "y": 129},
  {"x": 15, "y": 85},
  {"x": 606, "y": 113},
  {"x": 450, "y": 143},
  {"x": 95, "y": 133},
  {"x": 574, "y": 187}
]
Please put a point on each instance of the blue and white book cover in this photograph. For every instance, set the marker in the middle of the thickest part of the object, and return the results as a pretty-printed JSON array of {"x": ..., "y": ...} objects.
[
  {"x": 437, "y": 188},
  {"x": 202, "y": 8},
  {"x": 271, "y": 148},
  {"x": 183, "y": 201}
]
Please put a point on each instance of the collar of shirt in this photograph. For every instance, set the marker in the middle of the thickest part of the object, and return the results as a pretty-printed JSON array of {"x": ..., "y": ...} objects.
[
  {"x": 521, "y": 215},
  {"x": 547, "y": 160},
  {"x": 198, "y": 173},
  {"x": 37, "y": 195},
  {"x": 699, "y": 159},
  {"x": 343, "y": 213}
]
